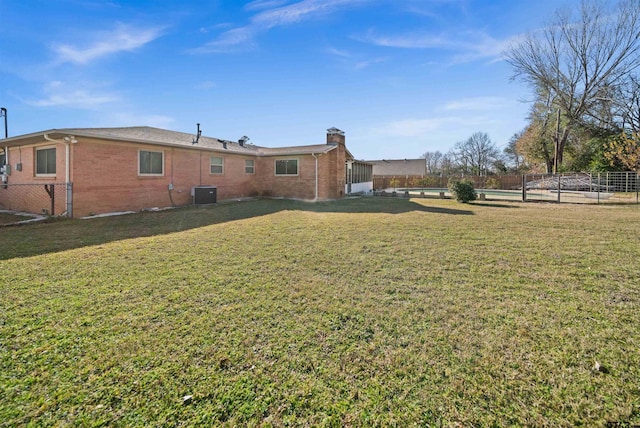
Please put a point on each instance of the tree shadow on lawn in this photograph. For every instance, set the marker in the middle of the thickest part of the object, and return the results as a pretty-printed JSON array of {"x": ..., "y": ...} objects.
[{"x": 63, "y": 234}]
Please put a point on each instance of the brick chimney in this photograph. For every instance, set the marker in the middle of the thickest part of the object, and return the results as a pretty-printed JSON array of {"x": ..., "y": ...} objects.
[{"x": 335, "y": 136}]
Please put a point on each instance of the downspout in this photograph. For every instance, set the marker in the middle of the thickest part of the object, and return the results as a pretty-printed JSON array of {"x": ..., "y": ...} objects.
[
  {"x": 4, "y": 169},
  {"x": 67, "y": 174},
  {"x": 316, "y": 158}
]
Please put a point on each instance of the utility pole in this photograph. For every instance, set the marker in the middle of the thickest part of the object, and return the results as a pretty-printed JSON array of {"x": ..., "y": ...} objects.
[
  {"x": 556, "y": 148},
  {"x": 3, "y": 112}
]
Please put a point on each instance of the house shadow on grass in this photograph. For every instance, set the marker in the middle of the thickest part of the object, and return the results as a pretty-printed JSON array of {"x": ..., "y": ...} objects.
[
  {"x": 62, "y": 235},
  {"x": 494, "y": 205}
]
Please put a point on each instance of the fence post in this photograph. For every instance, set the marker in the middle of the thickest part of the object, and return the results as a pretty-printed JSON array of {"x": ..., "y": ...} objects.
[
  {"x": 524, "y": 188},
  {"x": 51, "y": 191},
  {"x": 70, "y": 200},
  {"x": 626, "y": 186},
  {"x": 559, "y": 185},
  {"x": 598, "y": 188}
]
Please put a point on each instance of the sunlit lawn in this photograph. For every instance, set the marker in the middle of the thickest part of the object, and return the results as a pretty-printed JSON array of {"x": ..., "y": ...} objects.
[{"x": 360, "y": 312}]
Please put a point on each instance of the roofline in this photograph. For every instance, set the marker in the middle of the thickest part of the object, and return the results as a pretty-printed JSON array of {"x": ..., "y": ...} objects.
[
  {"x": 301, "y": 150},
  {"x": 36, "y": 137}
]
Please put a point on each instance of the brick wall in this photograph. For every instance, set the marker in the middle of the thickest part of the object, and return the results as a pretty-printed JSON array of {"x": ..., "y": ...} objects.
[
  {"x": 301, "y": 186},
  {"x": 105, "y": 176},
  {"x": 25, "y": 191}
]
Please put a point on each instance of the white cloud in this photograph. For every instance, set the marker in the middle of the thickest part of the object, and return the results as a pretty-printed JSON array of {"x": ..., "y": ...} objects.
[
  {"x": 427, "y": 127},
  {"x": 232, "y": 40},
  {"x": 300, "y": 11},
  {"x": 352, "y": 61},
  {"x": 468, "y": 46},
  {"x": 477, "y": 103},
  {"x": 339, "y": 53},
  {"x": 413, "y": 127},
  {"x": 263, "y": 4},
  {"x": 206, "y": 85},
  {"x": 59, "y": 94},
  {"x": 123, "y": 38},
  {"x": 242, "y": 37}
]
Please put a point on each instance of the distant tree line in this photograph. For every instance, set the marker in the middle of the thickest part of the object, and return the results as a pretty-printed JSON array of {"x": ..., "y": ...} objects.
[{"x": 477, "y": 155}]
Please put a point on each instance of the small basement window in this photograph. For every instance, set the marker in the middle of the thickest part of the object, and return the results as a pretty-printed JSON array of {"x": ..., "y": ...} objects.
[
  {"x": 217, "y": 165},
  {"x": 249, "y": 166},
  {"x": 286, "y": 166},
  {"x": 46, "y": 161},
  {"x": 150, "y": 162}
]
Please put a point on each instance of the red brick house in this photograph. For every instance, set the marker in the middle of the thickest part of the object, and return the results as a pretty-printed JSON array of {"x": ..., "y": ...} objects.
[{"x": 101, "y": 170}]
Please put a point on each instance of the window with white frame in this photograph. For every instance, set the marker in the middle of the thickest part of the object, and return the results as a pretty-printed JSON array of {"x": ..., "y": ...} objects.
[
  {"x": 217, "y": 165},
  {"x": 150, "y": 162},
  {"x": 286, "y": 166},
  {"x": 249, "y": 166},
  {"x": 46, "y": 161}
]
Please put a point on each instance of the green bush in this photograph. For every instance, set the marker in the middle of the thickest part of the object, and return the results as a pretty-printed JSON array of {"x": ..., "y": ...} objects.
[
  {"x": 492, "y": 183},
  {"x": 462, "y": 190}
]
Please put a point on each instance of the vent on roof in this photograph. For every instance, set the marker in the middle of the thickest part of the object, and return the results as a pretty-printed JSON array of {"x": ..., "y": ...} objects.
[
  {"x": 197, "y": 135},
  {"x": 243, "y": 140}
]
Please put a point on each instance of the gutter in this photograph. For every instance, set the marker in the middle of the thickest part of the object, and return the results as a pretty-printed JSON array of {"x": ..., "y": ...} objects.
[{"x": 67, "y": 141}]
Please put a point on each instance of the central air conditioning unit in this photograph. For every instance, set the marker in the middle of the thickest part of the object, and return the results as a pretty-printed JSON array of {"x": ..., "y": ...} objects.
[{"x": 203, "y": 195}]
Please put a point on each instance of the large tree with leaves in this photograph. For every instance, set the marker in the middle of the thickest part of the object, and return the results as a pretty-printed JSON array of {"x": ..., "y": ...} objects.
[{"x": 581, "y": 63}]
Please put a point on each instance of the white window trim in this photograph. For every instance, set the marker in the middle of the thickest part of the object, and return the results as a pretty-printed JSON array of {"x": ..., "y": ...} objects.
[
  {"x": 253, "y": 167},
  {"x": 275, "y": 171},
  {"x": 210, "y": 165},
  {"x": 36, "y": 162},
  {"x": 145, "y": 174}
]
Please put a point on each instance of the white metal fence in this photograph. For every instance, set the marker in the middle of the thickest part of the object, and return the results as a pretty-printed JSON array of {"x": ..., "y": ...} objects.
[{"x": 604, "y": 187}]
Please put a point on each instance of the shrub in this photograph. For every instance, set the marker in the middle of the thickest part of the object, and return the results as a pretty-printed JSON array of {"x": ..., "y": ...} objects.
[
  {"x": 492, "y": 183},
  {"x": 462, "y": 190}
]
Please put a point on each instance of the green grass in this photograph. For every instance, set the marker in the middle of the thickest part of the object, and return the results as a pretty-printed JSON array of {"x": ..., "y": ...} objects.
[
  {"x": 9, "y": 218},
  {"x": 360, "y": 312}
]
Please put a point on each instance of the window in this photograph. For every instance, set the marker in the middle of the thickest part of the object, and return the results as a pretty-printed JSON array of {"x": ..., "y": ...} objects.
[
  {"x": 151, "y": 163},
  {"x": 217, "y": 165},
  {"x": 249, "y": 166},
  {"x": 46, "y": 161},
  {"x": 286, "y": 166}
]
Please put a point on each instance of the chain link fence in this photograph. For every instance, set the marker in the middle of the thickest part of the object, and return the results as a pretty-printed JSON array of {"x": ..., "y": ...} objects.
[{"x": 42, "y": 198}]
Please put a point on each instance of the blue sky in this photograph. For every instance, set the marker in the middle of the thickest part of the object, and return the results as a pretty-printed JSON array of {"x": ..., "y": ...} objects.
[{"x": 400, "y": 77}]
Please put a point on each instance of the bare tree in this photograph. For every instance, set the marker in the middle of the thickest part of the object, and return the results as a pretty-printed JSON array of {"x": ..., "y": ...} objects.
[
  {"x": 433, "y": 161},
  {"x": 477, "y": 154},
  {"x": 579, "y": 62},
  {"x": 629, "y": 107}
]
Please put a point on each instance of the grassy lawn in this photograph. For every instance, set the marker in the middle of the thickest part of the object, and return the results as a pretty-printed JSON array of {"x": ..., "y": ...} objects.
[
  {"x": 361, "y": 312},
  {"x": 9, "y": 218}
]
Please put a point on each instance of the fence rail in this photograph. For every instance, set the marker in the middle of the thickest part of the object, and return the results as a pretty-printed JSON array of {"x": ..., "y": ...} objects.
[
  {"x": 41, "y": 198},
  {"x": 604, "y": 187}
]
